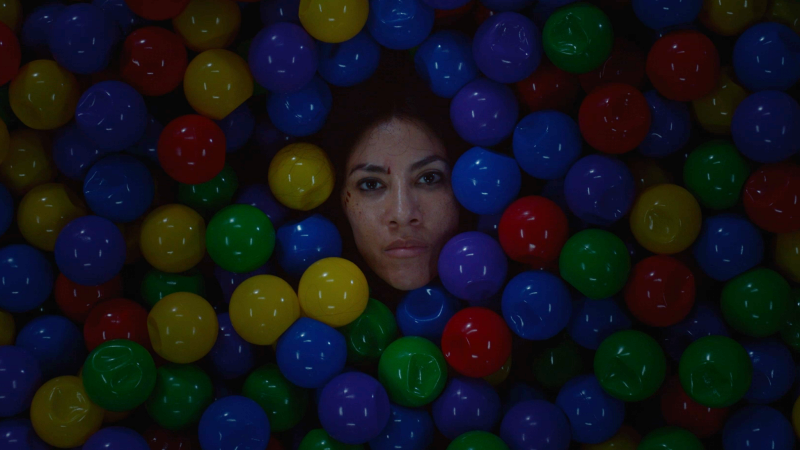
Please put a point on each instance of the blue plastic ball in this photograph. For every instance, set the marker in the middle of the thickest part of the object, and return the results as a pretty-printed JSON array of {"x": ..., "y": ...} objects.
[
  {"x": 27, "y": 278},
  {"x": 594, "y": 320},
  {"x": 766, "y": 126},
  {"x": 310, "y": 353},
  {"x": 238, "y": 127},
  {"x": 466, "y": 404},
  {"x": 670, "y": 126},
  {"x": 37, "y": 26},
  {"x": 546, "y": 144},
  {"x": 773, "y": 370},
  {"x": 536, "y": 305},
  {"x": 757, "y": 426},
  {"x": 445, "y": 62},
  {"x": 90, "y": 250},
  {"x": 599, "y": 189},
  {"x": 303, "y": 112},
  {"x": 6, "y": 209},
  {"x": 119, "y": 188},
  {"x": 303, "y": 242},
  {"x": 425, "y": 311},
  {"x": 283, "y": 57},
  {"x": 234, "y": 422},
  {"x": 705, "y": 319},
  {"x": 18, "y": 434},
  {"x": 353, "y": 408},
  {"x": 728, "y": 245},
  {"x": 594, "y": 416},
  {"x": 73, "y": 152},
  {"x": 116, "y": 438},
  {"x": 260, "y": 196},
  {"x": 767, "y": 56},
  {"x": 658, "y": 14},
  {"x": 484, "y": 112},
  {"x": 112, "y": 114},
  {"x": 82, "y": 38},
  {"x": 20, "y": 377},
  {"x": 507, "y": 47},
  {"x": 350, "y": 62},
  {"x": 122, "y": 15},
  {"x": 275, "y": 11},
  {"x": 485, "y": 182},
  {"x": 517, "y": 393},
  {"x": 535, "y": 424},
  {"x": 408, "y": 429},
  {"x": 399, "y": 24},
  {"x": 56, "y": 343},
  {"x": 147, "y": 147},
  {"x": 231, "y": 356}
]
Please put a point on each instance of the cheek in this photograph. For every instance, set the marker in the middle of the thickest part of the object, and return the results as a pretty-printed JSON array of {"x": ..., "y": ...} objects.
[
  {"x": 442, "y": 206},
  {"x": 363, "y": 221}
]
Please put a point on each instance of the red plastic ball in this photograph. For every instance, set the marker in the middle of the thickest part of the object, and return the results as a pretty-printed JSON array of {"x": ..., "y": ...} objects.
[
  {"x": 10, "y": 54},
  {"x": 191, "y": 149},
  {"x": 274, "y": 444},
  {"x": 157, "y": 9},
  {"x": 614, "y": 118},
  {"x": 624, "y": 65},
  {"x": 772, "y": 197},
  {"x": 680, "y": 410},
  {"x": 549, "y": 87},
  {"x": 160, "y": 439},
  {"x": 153, "y": 61},
  {"x": 76, "y": 300},
  {"x": 116, "y": 319},
  {"x": 476, "y": 342},
  {"x": 443, "y": 13},
  {"x": 660, "y": 291},
  {"x": 683, "y": 65},
  {"x": 532, "y": 231}
]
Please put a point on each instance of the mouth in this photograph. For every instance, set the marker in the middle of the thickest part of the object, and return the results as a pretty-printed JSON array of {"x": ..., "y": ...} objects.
[{"x": 406, "y": 248}]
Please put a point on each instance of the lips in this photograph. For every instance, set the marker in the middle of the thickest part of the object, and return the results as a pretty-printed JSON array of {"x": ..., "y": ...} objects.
[{"x": 406, "y": 248}]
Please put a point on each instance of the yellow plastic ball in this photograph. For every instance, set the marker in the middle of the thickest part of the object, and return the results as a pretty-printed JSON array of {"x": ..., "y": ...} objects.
[
  {"x": 11, "y": 14},
  {"x": 301, "y": 176},
  {"x": 786, "y": 12},
  {"x": 173, "y": 238},
  {"x": 182, "y": 327},
  {"x": 715, "y": 111},
  {"x": 787, "y": 255},
  {"x": 333, "y": 291},
  {"x": 626, "y": 439},
  {"x": 44, "y": 95},
  {"x": 262, "y": 308},
  {"x": 28, "y": 163},
  {"x": 647, "y": 173},
  {"x": 500, "y": 376},
  {"x": 333, "y": 21},
  {"x": 666, "y": 219},
  {"x": 731, "y": 17},
  {"x": 207, "y": 24},
  {"x": 8, "y": 329},
  {"x": 796, "y": 417},
  {"x": 5, "y": 140},
  {"x": 45, "y": 210},
  {"x": 217, "y": 82},
  {"x": 62, "y": 414}
]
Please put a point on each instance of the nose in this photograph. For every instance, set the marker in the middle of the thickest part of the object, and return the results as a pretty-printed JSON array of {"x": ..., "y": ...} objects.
[{"x": 403, "y": 209}]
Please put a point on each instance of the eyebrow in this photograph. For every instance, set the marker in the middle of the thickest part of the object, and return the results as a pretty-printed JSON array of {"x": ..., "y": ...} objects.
[{"x": 380, "y": 169}]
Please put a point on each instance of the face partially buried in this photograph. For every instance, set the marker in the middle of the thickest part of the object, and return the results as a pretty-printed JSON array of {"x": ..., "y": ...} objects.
[{"x": 399, "y": 202}]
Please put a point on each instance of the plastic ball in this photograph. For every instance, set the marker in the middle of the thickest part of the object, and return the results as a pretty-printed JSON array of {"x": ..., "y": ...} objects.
[
  {"x": 413, "y": 371},
  {"x": 280, "y": 11},
  {"x": 445, "y": 62},
  {"x": 116, "y": 438},
  {"x": 766, "y": 126},
  {"x": 484, "y": 112},
  {"x": 118, "y": 318},
  {"x": 8, "y": 329},
  {"x": 262, "y": 308},
  {"x": 546, "y": 144},
  {"x": 595, "y": 262},
  {"x": 240, "y": 238},
  {"x": 90, "y": 250},
  {"x": 310, "y": 353},
  {"x": 532, "y": 230},
  {"x": 683, "y": 65},
  {"x": 20, "y": 377},
  {"x": 769, "y": 197},
  {"x": 350, "y": 62},
  {"x": 28, "y": 163},
  {"x": 302, "y": 112},
  {"x": 410, "y": 429},
  {"x": 594, "y": 416},
  {"x": 82, "y": 38},
  {"x": 715, "y": 371},
  {"x": 783, "y": 12},
  {"x": 624, "y": 65},
  {"x": 209, "y": 197},
  {"x": 731, "y": 17},
  {"x": 757, "y": 426},
  {"x": 670, "y": 126},
  {"x": 536, "y": 305},
  {"x": 614, "y": 118},
  {"x": 660, "y": 291},
  {"x": 45, "y": 210},
  {"x": 578, "y": 37},
  {"x": 181, "y": 394},
  {"x": 10, "y": 54},
  {"x": 153, "y": 61},
  {"x": 6, "y": 210},
  {"x": 670, "y": 438},
  {"x": 485, "y": 182},
  {"x": 231, "y": 357},
  {"x": 234, "y": 422},
  {"x": 773, "y": 370},
  {"x": 353, "y": 408},
  {"x": 370, "y": 334},
  {"x": 303, "y": 242},
  {"x": 119, "y": 188},
  {"x": 333, "y": 21},
  {"x": 76, "y": 301},
  {"x": 43, "y": 95},
  {"x": 474, "y": 440},
  {"x": 593, "y": 321},
  {"x": 728, "y": 245},
  {"x": 260, "y": 196},
  {"x": 301, "y": 176},
  {"x": 476, "y": 342},
  {"x": 18, "y": 434},
  {"x": 467, "y": 404},
  {"x": 28, "y": 278},
  {"x": 229, "y": 281},
  {"x": 507, "y": 47},
  {"x": 625, "y": 439},
  {"x": 283, "y": 57},
  {"x": 121, "y": 13},
  {"x": 787, "y": 254},
  {"x": 208, "y": 24},
  {"x": 73, "y": 152},
  {"x": 599, "y": 189},
  {"x": 217, "y": 82},
  {"x": 37, "y": 26},
  {"x": 679, "y": 410},
  {"x": 630, "y": 365},
  {"x": 549, "y": 87},
  {"x": 147, "y": 147},
  {"x": 535, "y": 424},
  {"x": 425, "y": 312},
  {"x": 191, "y": 149},
  {"x": 64, "y": 430},
  {"x": 119, "y": 375},
  {"x": 334, "y": 291},
  {"x": 55, "y": 342},
  {"x": 756, "y": 303},
  {"x": 660, "y": 14},
  {"x": 183, "y": 327},
  {"x": 238, "y": 127},
  {"x": 400, "y": 25},
  {"x": 665, "y": 219},
  {"x": 284, "y": 403},
  {"x": 704, "y": 320},
  {"x": 764, "y": 57},
  {"x": 157, "y": 9},
  {"x": 715, "y": 111},
  {"x": 173, "y": 238},
  {"x": 715, "y": 173},
  {"x": 472, "y": 266}
]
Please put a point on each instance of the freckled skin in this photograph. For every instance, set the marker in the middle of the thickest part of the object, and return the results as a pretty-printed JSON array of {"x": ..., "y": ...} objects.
[{"x": 383, "y": 205}]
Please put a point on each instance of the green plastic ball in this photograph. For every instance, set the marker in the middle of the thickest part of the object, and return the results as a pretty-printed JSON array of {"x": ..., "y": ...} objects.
[
  {"x": 240, "y": 238},
  {"x": 670, "y": 438},
  {"x": 756, "y": 303},
  {"x": 630, "y": 365},
  {"x": 209, "y": 197},
  {"x": 557, "y": 365},
  {"x": 790, "y": 332},
  {"x": 157, "y": 284},
  {"x": 477, "y": 440},
  {"x": 319, "y": 439},
  {"x": 595, "y": 262},
  {"x": 182, "y": 393},
  {"x": 284, "y": 403},
  {"x": 413, "y": 371},
  {"x": 119, "y": 375},
  {"x": 715, "y": 174},
  {"x": 715, "y": 371},
  {"x": 369, "y": 335},
  {"x": 578, "y": 37}
]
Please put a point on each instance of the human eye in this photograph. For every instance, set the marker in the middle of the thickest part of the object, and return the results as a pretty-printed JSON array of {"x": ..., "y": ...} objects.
[
  {"x": 369, "y": 184},
  {"x": 431, "y": 178}
]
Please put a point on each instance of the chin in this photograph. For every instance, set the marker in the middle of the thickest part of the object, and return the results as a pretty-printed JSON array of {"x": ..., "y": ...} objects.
[{"x": 408, "y": 280}]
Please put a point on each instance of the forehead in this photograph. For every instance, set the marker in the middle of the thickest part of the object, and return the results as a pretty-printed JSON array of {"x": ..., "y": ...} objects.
[{"x": 397, "y": 142}]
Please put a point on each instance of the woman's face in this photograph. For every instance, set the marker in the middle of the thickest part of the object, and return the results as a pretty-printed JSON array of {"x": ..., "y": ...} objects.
[{"x": 399, "y": 202}]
